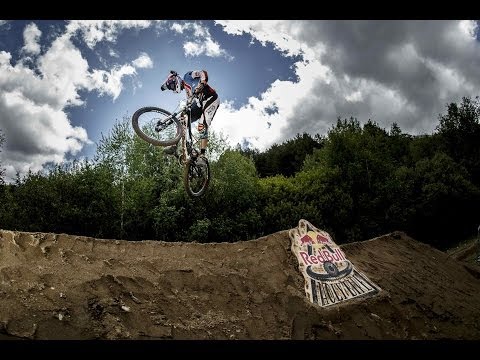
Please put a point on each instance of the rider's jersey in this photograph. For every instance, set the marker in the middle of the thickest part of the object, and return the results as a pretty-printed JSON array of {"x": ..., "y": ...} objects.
[{"x": 193, "y": 78}]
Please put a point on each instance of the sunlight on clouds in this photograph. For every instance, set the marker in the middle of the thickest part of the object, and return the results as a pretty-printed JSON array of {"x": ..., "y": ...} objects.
[
  {"x": 202, "y": 42},
  {"x": 5, "y": 58},
  {"x": 450, "y": 80},
  {"x": 37, "y": 134},
  {"x": 208, "y": 47},
  {"x": 31, "y": 36},
  {"x": 280, "y": 33},
  {"x": 110, "y": 82},
  {"x": 406, "y": 75},
  {"x": 143, "y": 61},
  {"x": 64, "y": 68},
  {"x": 354, "y": 97},
  {"x": 32, "y": 103},
  {"x": 247, "y": 123},
  {"x": 468, "y": 27},
  {"x": 94, "y": 31},
  {"x": 260, "y": 128}
]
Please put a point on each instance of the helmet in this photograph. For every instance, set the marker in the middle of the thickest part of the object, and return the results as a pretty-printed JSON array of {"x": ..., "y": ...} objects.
[{"x": 173, "y": 82}]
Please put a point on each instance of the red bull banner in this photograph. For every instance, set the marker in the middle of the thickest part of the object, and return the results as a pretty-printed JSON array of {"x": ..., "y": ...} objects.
[{"x": 330, "y": 278}]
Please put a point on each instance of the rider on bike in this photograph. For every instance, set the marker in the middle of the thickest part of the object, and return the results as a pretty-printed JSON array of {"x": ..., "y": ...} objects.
[{"x": 195, "y": 83}]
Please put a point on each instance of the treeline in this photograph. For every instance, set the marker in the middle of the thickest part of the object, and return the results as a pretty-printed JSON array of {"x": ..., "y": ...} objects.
[{"x": 356, "y": 182}]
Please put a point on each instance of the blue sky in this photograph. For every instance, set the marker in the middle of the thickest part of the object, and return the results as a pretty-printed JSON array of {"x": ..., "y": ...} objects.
[{"x": 64, "y": 83}]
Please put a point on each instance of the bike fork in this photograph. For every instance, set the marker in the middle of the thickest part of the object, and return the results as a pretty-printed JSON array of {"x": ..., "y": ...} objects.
[{"x": 184, "y": 142}]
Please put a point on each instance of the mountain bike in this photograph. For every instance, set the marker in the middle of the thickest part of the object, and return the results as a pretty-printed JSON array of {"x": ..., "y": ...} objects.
[{"x": 159, "y": 127}]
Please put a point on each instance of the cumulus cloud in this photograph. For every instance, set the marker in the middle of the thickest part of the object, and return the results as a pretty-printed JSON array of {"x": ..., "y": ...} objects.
[
  {"x": 110, "y": 82},
  {"x": 387, "y": 71},
  {"x": 143, "y": 61},
  {"x": 94, "y": 31},
  {"x": 34, "y": 96},
  {"x": 31, "y": 36},
  {"x": 201, "y": 42},
  {"x": 113, "y": 53}
]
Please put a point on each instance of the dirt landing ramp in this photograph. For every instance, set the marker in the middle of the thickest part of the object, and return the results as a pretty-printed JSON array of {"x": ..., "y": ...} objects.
[{"x": 69, "y": 287}]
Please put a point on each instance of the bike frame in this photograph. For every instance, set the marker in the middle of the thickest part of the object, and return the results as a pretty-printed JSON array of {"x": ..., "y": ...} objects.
[
  {"x": 197, "y": 173},
  {"x": 187, "y": 140}
]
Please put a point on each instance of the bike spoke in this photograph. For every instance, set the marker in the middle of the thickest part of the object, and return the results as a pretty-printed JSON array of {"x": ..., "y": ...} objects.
[
  {"x": 157, "y": 126},
  {"x": 197, "y": 179}
]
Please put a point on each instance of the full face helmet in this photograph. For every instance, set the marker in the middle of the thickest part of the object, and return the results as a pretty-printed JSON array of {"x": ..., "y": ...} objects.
[{"x": 173, "y": 82}]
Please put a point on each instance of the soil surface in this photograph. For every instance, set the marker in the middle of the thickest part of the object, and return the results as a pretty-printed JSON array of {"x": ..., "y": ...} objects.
[{"x": 57, "y": 286}]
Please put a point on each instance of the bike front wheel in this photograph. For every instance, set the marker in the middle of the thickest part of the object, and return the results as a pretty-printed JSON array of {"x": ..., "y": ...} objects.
[
  {"x": 156, "y": 126},
  {"x": 196, "y": 177}
]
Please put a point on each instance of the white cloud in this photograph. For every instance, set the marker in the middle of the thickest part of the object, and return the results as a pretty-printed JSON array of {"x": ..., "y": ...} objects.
[
  {"x": 113, "y": 53},
  {"x": 280, "y": 33},
  {"x": 387, "y": 71},
  {"x": 251, "y": 122},
  {"x": 110, "y": 82},
  {"x": 65, "y": 71},
  {"x": 35, "y": 134},
  {"x": 143, "y": 61},
  {"x": 31, "y": 36},
  {"x": 3, "y": 22},
  {"x": 354, "y": 96},
  {"x": 468, "y": 27},
  {"x": 200, "y": 42},
  {"x": 34, "y": 94},
  {"x": 94, "y": 31}
]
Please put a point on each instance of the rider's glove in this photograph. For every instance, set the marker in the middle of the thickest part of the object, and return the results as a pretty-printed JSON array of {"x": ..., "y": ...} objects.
[{"x": 199, "y": 88}]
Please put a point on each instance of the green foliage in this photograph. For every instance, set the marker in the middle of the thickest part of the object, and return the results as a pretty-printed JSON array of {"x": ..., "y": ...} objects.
[
  {"x": 75, "y": 198},
  {"x": 459, "y": 132},
  {"x": 199, "y": 230},
  {"x": 232, "y": 198},
  {"x": 284, "y": 159},
  {"x": 356, "y": 182},
  {"x": 446, "y": 200}
]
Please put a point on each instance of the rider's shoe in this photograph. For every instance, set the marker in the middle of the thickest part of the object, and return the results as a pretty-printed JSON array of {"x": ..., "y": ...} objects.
[{"x": 171, "y": 150}]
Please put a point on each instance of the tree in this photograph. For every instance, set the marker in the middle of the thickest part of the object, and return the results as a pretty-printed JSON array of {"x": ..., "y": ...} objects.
[
  {"x": 446, "y": 202},
  {"x": 459, "y": 131},
  {"x": 233, "y": 197},
  {"x": 286, "y": 158}
]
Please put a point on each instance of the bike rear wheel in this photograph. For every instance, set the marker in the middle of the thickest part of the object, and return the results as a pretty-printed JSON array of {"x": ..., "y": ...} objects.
[
  {"x": 196, "y": 177},
  {"x": 156, "y": 126}
]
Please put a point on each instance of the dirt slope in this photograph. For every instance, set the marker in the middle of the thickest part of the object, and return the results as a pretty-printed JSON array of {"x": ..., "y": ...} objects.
[{"x": 69, "y": 287}]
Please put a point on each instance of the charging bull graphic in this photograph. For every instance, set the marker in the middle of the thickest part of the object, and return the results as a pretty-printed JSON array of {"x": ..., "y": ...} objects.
[{"x": 329, "y": 277}]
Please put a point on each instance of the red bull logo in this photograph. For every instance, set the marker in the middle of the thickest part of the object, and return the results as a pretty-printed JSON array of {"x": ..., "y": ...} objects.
[
  {"x": 306, "y": 239},
  {"x": 330, "y": 277},
  {"x": 322, "y": 239},
  {"x": 314, "y": 238}
]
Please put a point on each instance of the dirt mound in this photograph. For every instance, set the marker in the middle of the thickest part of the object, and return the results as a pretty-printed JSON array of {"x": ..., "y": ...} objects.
[{"x": 70, "y": 287}]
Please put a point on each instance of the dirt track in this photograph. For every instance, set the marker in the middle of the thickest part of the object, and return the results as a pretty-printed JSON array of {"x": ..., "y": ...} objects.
[{"x": 69, "y": 287}]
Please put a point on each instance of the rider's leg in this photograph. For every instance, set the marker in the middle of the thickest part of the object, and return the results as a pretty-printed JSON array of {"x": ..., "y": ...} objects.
[{"x": 210, "y": 108}]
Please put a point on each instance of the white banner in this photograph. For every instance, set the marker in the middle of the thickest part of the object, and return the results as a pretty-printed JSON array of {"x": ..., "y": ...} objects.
[{"x": 329, "y": 277}]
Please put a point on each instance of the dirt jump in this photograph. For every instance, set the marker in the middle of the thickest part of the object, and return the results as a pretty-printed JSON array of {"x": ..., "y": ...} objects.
[{"x": 58, "y": 286}]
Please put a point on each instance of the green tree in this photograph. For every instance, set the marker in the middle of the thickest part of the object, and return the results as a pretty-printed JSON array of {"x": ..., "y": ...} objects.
[
  {"x": 459, "y": 132},
  {"x": 281, "y": 205},
  {"x": 446, "y": 202},
  {"x": 286, "y": 158},
  {"x": 232, "y": 198}
]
